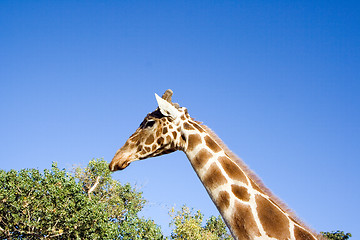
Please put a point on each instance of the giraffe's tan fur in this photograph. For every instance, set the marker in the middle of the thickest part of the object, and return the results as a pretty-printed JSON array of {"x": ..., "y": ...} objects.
[
  {"x": 249, "y": 209},
  {"x": 255, "y": 180}
]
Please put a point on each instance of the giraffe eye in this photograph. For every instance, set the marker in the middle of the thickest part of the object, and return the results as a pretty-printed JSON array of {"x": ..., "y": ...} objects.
[{"x": 149, "y": 124}]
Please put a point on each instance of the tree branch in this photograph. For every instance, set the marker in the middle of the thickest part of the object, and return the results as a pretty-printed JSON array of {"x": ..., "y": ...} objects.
[{"x": 94, "y": 186}]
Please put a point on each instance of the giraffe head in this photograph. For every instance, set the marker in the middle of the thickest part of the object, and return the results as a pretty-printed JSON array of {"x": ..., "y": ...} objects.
[{"x": 159, "y": 133}]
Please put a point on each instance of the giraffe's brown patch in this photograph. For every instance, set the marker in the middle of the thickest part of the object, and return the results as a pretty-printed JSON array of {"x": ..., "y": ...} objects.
[
  {"x": 201, "y": 158},
  {"x": 143, "y": 151},
  {"x": 160, "y": 141},
  {"x": 139, "y": 148},
  {"x": 194, "y": 140},
  {"x": 150, "y": 140},
  {"x": 293, "y": 219},
  {"x": 240, "y": 192},
  {"x": 273, "y": 202},
  {"x": 243, "y": 223},
  {"x": 182, "y": 117},
  {"x": 232, "y": 170},
  {"x": 301, "y": 234},
  {"x": 153, "y": 148},
  {"x": 171, "y": 127},
  {"x": 147, "y": 149},
  {"x": 212, "y": 144},
  {"x": 183, "y": 138},
  {"x": 165, "y": 130},
  {"x": 126, "y": 144},
  {"x": 131, "y": 145},
  {"x": 214, "y": 177},
  {"x": 223, "y": 200},
  {"x": 174, "y": 134},
  {"x": 158, "y": 133},
  {"x": 197, "y": 127},
  {"x": 275, "y": 223},
  {"x": 168, "y": 138},
  {"x": 135, "y": 137},
  {"x": 187, "y": 126},
  {"x": 255, "y": 186}
]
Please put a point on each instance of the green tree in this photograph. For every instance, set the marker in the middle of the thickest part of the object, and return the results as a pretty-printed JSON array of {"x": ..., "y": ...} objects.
[
  {"x": 188, "y": 225},
  {"x": 217, "y": 227},
  {"x": 337, "y": 235},
  {"x": 89, "y": 204},
  {"x": 122, "y": 202},
  {"x": 57, "y": 204}
]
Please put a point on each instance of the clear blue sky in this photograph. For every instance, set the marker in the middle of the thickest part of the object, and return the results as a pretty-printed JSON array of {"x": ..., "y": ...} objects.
[{"x": 278, "y": 81}]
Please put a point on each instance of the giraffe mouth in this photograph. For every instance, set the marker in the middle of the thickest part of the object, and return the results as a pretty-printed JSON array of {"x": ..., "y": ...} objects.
[{"x": 115, "y": 166}]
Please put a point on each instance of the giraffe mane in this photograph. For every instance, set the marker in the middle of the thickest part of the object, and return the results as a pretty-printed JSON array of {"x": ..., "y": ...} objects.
[{"x": 256, "y": 179}]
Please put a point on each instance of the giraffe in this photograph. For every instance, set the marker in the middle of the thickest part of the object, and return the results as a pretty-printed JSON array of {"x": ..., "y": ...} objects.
[{"x": 248, "y": 208}]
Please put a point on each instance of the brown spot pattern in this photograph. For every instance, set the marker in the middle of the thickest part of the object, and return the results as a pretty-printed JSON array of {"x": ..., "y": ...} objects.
[
  {"x": 126, "y": 144},
  {"x": 274, "y": 222},
  {"x": 301, "y": 234},
  {"x": 240, "y": 192},
  {"x": 183, "y": 138},
  {"x": 135, "y": 137},
  {"x": 223, "y": 200},
  {"x": 242, "y": 223},
  {"x": 149, "y": 140},
  {"x": 174, "y": 134},
  {"x": 293, "y": 219},
  {"x": 194, "y": 140},
  {"x": 255, "y": 186},
  {"x": 214, "y": 177},
  {"x": 158, "y": 132},
  {"x": 160, "y": 141},
  {"x": 273, "y": 202},
  {"x": 212, "y": 144},
  {"x": 139, "y": 148},
  {"x": 197, "y": 127},
  {"x": 165, "y": 130},
  {"x": 201, "y": 158},
  {"x": 132, "y": 145},
  {"x": 187, "y": 126},
  {"x": 232, "y": 170}
]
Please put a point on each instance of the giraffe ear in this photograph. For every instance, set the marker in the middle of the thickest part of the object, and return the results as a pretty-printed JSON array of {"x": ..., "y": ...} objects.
[{"x": 166, "y": 108}]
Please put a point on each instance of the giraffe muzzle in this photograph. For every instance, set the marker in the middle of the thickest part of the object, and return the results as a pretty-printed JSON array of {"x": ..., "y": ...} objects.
[{"x": 116, "y": 165}]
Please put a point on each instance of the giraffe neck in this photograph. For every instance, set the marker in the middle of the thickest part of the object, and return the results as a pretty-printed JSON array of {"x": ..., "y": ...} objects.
[{"x": 247, "y": 210}]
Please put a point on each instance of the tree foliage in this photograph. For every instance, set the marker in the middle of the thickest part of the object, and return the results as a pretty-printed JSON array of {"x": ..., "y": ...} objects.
[
  {"x": 188, "y": 225},
  {"x": 337, "y": 235},
  {"x": 57, "y": 204},
  {"x": 89, "y": 204}
]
